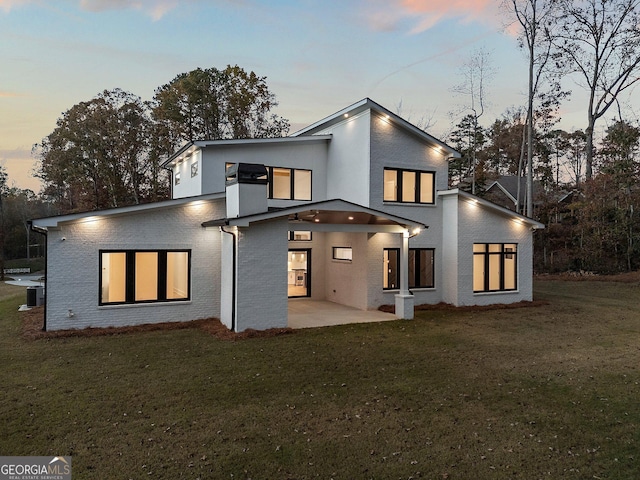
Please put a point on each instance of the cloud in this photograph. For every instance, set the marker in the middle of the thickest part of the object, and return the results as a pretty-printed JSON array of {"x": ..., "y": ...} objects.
[
  {"x": 421, "y": 15},
  {"x": 8, "y": 94},
  {"x": 156, "y": 9},
  {"x": 7, "y": 5}
]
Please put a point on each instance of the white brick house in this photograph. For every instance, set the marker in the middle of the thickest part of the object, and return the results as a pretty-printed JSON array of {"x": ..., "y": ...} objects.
[{"x": 353, "y": 209}]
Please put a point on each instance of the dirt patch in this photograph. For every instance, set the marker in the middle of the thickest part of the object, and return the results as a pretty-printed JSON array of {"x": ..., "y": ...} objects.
[{"x": 32, "y": 321}]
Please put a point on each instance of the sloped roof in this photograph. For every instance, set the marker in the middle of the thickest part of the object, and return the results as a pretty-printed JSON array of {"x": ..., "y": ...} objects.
[
  {"x": 54, "y": 222},
  {"x": 368, "y": 104},
  {"x": 505, "y": 212},
  {"x": 327, "y": 212}
]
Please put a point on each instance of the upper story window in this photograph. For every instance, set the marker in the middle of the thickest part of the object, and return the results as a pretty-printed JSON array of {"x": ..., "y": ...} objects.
[
  {"x": 177, "y": 178},
  {"x": 194, "y": 169},
  {"x": 289, "y": 183},
  {"x": 409, "y": 186}
]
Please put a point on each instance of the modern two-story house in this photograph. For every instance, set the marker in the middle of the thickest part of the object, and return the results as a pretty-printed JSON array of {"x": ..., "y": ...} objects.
[{"x": 353, "y": 209}]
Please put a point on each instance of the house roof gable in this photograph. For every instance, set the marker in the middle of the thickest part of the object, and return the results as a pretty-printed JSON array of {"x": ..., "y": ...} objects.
[
  {"x": 505, "y": 212},
  {"x": 368, "y": 104}
]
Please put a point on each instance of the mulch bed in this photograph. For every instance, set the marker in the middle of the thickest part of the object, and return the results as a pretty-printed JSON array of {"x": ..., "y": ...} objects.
[
  {"x": 33, "y": 320},
  {"x": 447, "y": 307}
]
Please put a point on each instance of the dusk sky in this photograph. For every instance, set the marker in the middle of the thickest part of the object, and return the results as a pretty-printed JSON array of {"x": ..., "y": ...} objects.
[{"x": 318, "y": 57}]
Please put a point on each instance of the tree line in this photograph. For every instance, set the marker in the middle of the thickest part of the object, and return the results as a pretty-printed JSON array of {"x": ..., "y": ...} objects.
[{"x": 108, "y": 151}]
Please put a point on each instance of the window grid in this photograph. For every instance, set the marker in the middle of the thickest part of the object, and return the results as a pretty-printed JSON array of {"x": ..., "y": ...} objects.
[
  {"x": 144, "y": 276},
  {"x": 421, "y": 268},
  {"x": 409, "y": 186},
  {"x": 292, "y": 183},
  {"x": 495, "y": 267}
]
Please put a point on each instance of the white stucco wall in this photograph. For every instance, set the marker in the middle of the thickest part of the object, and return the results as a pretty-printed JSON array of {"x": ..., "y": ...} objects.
[
  {"x": 73, "y": 265},
  {"x": 261, "y": 276},
  {"x": 348, "y": 163},
  {"x": 189, "y": 186},
  {"x": 308, "y": 155}
]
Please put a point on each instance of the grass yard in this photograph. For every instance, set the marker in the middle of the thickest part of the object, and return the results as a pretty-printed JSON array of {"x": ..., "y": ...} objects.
[{"x": 538, "y": 392}]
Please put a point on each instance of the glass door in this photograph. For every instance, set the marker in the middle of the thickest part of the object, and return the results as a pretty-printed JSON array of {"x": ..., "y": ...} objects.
[{"x": 299, "y": 273}]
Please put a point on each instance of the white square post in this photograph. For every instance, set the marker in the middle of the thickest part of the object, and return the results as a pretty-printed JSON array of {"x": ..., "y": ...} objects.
[{"x": 404, "y": 299}]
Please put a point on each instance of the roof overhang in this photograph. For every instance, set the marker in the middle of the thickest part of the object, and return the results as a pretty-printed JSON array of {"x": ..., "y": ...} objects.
[
  {"x": 367, "y": 104},
  {"x": 505, "y": 212},
  {"x": 189, "y": 148},
  {"x": 52, "y": 223},
  {"x": 328, "y": 216}
]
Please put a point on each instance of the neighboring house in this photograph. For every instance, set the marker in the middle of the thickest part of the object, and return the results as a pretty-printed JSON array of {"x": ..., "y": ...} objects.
[
  {"x": 504, "y": 192},
  {"x": 353, "y": 209}
]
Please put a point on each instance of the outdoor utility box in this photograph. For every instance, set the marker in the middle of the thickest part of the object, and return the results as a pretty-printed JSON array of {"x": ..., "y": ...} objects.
[
  {"x": 35, "y": 296},
  {"x": 246, "y": 188}
]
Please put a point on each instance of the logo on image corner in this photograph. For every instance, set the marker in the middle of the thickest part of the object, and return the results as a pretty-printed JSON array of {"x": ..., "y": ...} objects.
[{"x": 35, "y": 468}]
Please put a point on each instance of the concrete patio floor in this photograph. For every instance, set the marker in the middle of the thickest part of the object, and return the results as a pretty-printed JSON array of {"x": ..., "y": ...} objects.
[{"x": 305, "y": 313}]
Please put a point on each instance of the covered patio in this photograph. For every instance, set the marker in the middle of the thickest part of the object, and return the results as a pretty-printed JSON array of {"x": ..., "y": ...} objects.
[{"x": 306, "y": 313}]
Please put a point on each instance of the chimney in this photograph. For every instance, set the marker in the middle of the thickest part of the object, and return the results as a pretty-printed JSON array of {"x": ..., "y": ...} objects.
[{"x": 246, "y": 187}]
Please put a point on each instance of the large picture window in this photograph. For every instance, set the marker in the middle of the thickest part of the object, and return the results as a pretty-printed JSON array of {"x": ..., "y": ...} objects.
[
  {"x": 289, "y": 184},
  {"x": 421, "y": 268},
  {"x": 495, "y": 267},
  {"x": 144, "y": 276},
  {"x": 408, "y": 186}
]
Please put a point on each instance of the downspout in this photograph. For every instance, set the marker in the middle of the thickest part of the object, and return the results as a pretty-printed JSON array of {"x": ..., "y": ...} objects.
[
  {"x": 233, "y": 279},
  {"x": 42, "y": 231}
]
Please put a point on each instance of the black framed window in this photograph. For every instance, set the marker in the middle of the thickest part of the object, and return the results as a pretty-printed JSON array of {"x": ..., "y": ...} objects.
[
  {"x": 421, "y": 268},
  {"x": 409, "y": 186},
  {"x": 144, "y": 276},
  {"x": 342, "y": 253},
  {"x": 495, "y": 267},
  {"x": 289, "y": 183},
  {"x": 391, "y": 269},
  {"x": 300, "y": 236}
]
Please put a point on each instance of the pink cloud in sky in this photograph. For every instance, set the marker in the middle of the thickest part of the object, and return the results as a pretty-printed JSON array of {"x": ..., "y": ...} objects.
[
  {"x": 7, "y": 5},
  {"x": 424, "y": 14}
]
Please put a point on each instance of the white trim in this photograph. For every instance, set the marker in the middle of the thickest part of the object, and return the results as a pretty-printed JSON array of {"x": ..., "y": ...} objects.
[{"x": 54, "y": 222}]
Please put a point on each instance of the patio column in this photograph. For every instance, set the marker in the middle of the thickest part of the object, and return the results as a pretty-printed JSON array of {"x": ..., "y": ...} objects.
[{"x": 404, "y": 299}]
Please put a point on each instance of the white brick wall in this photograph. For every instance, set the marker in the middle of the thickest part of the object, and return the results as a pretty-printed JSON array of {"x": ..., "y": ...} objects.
[
  {"x": 73, "y": 265},
  {"x": 261, "y": 291},
  {"x": 478, "y": 224},
  {"x": 346, "y": 281}
]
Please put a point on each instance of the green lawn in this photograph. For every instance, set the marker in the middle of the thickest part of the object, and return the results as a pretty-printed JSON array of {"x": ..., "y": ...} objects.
[{"x": 537, "y": 392}]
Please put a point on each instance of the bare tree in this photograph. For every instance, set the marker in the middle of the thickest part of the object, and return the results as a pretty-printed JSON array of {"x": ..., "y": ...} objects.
[
  {"x": 424, "y": 122},
  {"x": 476, "y": 74},
  {"x": 601, "y": 41},
  {"x": 535, "y": 18}
]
